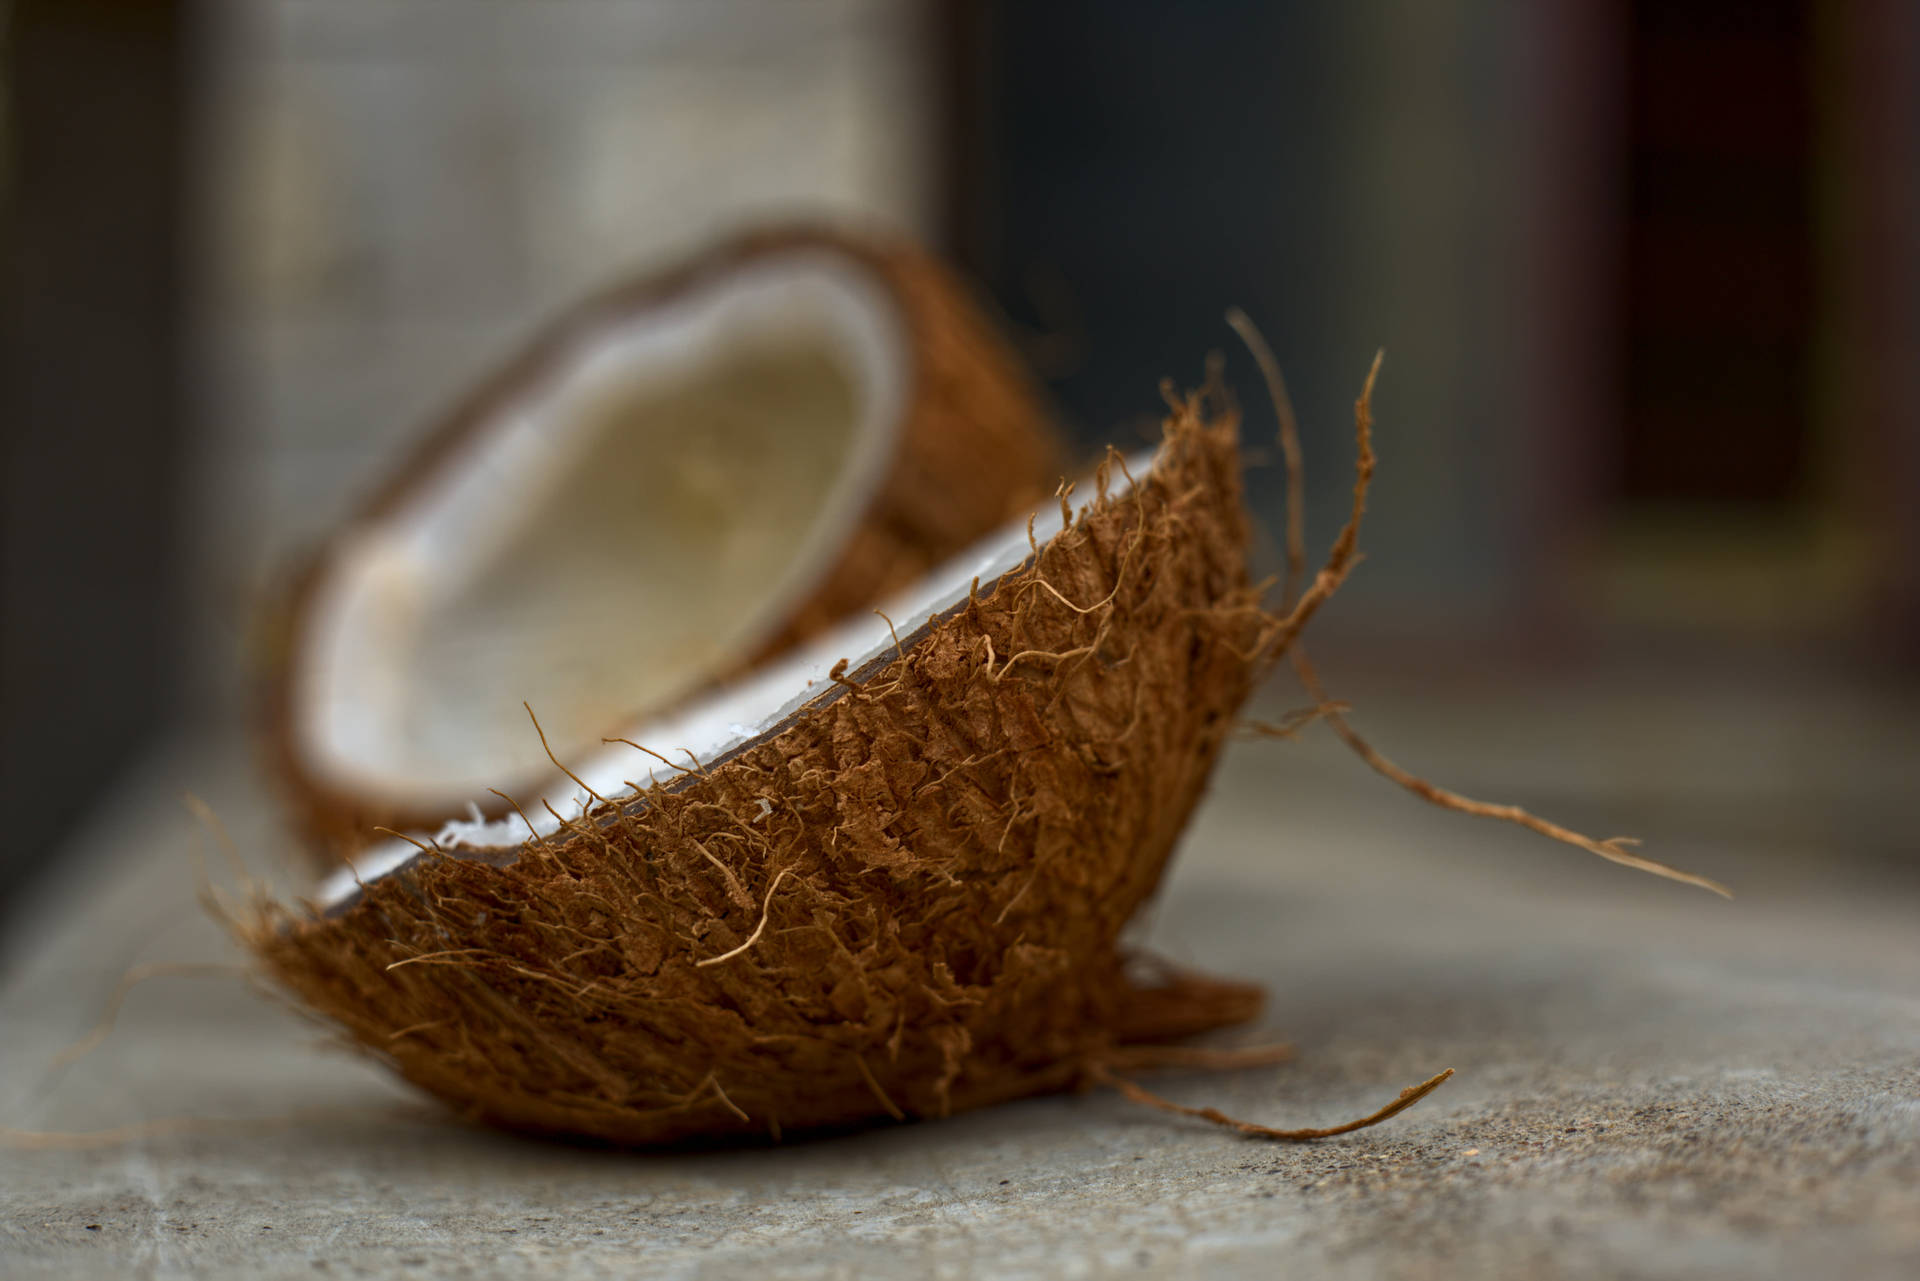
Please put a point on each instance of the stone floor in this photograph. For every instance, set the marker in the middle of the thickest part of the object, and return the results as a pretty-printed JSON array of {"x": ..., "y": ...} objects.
[{"x": 1651, "y": 1082}]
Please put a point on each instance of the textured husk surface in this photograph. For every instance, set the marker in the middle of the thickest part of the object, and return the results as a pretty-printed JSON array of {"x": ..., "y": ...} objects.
[
  {"x": 976, "y": 449},
  {"x": 904, "y": 901}
]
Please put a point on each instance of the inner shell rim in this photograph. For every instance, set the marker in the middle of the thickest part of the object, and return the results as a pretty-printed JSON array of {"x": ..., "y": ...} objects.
[{"x": 741, "y": 714}]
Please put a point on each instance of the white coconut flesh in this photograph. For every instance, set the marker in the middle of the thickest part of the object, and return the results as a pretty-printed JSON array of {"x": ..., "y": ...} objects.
[
  {"x": 709, "y": 729},
  {"x": 645, "y": 512}
]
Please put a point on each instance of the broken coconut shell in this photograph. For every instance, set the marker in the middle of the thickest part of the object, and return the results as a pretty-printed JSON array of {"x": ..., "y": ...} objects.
[
  {"x": 677, "y": 481},
  {"x": 901, "y": 896},
  {"x": 892, "y": 892}
]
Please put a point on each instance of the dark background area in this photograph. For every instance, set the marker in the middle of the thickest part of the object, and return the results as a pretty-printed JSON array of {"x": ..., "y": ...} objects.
[
  {"x": 1648, "y": 276},
  {"x": 1685, "y": 364},
  {"x": 94, "y": 391}
]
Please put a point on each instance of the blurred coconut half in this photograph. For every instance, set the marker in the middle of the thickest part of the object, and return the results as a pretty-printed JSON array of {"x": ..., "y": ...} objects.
[{"x": 676, "y": 482}]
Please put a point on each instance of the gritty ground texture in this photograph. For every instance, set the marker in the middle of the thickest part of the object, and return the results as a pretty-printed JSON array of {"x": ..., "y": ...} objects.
[{"x": 1651, "y": 1082}]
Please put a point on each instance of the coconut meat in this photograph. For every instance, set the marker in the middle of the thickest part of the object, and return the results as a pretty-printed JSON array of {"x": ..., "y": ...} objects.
[
  {"x": 669, "y": 486},
  {"x": 711, "y": 728}
]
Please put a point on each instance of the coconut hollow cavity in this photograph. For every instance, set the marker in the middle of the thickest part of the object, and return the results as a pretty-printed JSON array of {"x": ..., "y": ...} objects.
[
  {"x": 678, "y": 481},
  {"x": 897, "y": 893}
]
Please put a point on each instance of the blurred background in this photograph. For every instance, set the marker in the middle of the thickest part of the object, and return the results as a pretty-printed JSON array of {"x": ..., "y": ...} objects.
[{"x": 1647, "y": 276}]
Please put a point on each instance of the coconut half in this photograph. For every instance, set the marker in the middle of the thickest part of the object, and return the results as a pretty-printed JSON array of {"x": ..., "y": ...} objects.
[
  {"x": 886, "y": 876},
  {"x": 677, "y": 481}
]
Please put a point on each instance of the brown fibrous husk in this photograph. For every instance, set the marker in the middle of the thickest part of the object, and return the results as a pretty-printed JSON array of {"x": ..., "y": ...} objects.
[{"x": 905, "y": 901}]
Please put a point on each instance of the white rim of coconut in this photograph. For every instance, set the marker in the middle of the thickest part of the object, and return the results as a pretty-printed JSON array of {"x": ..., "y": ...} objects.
[
  {"x": 709, "y": 730},
  {"x": 375, "y": 671}
]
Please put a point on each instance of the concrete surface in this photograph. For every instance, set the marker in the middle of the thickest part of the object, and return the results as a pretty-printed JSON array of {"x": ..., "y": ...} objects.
[{"x": 1651, "y": 1082}]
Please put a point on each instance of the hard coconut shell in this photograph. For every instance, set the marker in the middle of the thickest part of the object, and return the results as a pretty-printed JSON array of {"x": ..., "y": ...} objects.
[
  {"x": 975, "y": 449},
  {"x": 905, "y": 900}
]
